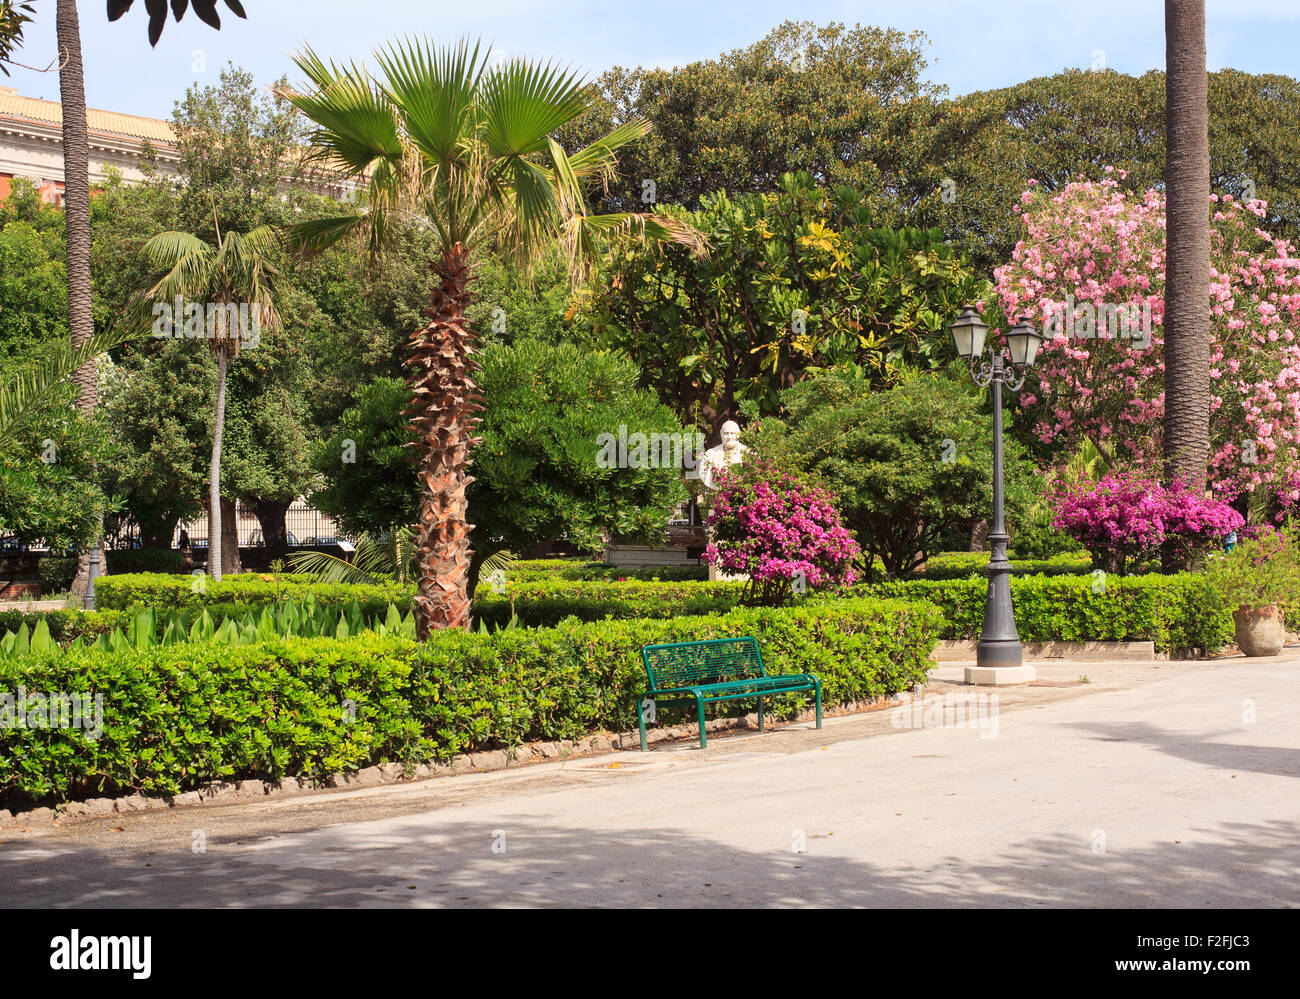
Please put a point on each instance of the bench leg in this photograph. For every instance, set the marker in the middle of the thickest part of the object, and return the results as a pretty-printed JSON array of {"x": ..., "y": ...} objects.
[
  {"x": 819, "y": 701},
  {"x": 760, "y": 712},
  {"x": 704, "y": 739},
  {"x": 640, "y": 720}
]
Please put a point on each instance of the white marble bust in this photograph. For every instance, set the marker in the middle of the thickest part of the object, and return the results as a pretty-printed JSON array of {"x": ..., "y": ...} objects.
[{"x": 729, "y": 452}]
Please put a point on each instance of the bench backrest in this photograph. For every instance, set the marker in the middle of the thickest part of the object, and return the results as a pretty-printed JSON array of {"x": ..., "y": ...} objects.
[{"x": 685, "y": 664}]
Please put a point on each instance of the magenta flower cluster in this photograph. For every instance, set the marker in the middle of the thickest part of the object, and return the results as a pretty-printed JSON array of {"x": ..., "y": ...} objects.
[
  {"x": 780, "y": 531},
  {"x": 1125, "y": 517}
]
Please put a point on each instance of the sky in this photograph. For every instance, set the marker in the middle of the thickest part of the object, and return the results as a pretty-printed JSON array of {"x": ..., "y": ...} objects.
[{"x": 972, "y": 46}]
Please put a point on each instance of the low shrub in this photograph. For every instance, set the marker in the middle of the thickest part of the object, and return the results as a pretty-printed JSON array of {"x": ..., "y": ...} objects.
[
  {"x": 576, "y": 569},
  {"x": 176, "y": 716},
  {"x": 1177, "y": 612},
  {"x": 546, "y": 603},
  {"x": 959, "y": 565},
  {"x": 248, "y": 590}
]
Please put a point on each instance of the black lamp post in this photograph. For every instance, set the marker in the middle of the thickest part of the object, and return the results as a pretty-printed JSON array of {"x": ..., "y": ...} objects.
[{"x": 998, "y": 656}]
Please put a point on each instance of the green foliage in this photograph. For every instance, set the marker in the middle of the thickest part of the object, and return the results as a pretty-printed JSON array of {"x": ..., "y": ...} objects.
[
  {"x": 1177, "y": 612},
  {"x": 536, "y": 473},
  {"x": 840, "y": 103},
  {"x": 167, "y": 590},
  {"x": 544, "y": 603},
  {"x": 175, "y": 716},
  {"x": 148, "y": 627},
  {"x": 796, "y": 282},
  {"x": 367, "y": 467},
  {"x": 960, "y": 565},
  {"x": 559, "y": 568},
  {"x": 909, "y": 466},
  {"x": 1054, "y": 128},
  {"x": 1260, "y": 571}
]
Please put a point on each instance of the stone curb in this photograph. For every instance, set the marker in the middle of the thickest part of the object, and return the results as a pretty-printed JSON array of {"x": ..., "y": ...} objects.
[
  {"x": 224, "y": 792},
  {"x": 959, "y": 650}
]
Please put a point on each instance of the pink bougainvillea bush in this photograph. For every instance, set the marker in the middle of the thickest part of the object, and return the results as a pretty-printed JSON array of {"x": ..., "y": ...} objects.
[
  {"x": 1094, "y": 257},
  {"x": 1123, "y": 520},
  {"x": 781, "y": 531}
]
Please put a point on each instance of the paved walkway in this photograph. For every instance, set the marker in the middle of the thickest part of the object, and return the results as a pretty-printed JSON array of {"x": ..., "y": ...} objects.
[{"x": 1168, "y": 784}]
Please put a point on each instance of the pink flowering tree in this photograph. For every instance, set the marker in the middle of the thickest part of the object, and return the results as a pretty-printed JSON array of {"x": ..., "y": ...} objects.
[
  {"x": 781, "y": 531},
  {"x": 1123, "y": 520},
  {"x": 1091, "y": 273}
]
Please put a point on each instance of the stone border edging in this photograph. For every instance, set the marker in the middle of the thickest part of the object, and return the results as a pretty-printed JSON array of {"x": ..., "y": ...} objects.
[
  {"x": 230, "y": 792},
  {"x": 958, "y": 650}
]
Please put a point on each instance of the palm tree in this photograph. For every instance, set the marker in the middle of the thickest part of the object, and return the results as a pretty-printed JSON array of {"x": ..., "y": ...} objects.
[
  {"x": 23, "y": 398},
  {"x": 1187, "y": 236},
  {"x": 76, "y": 212},
  {"x": 466, "y": 149},
  {"x": 236, "y": 271}
]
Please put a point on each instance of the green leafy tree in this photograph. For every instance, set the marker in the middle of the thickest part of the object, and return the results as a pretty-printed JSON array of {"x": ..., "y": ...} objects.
[
  {"x": 539, "y": 472},
  {"x": 796, "y": 282},
  {"x": 468, "y": 151},
  {"x": 911, "y": 467},
  {"x": 837, "y": 102}
]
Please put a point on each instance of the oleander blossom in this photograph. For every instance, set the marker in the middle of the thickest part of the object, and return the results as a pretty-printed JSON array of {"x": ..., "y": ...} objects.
[
  {"x": 784, "y": 534},
  {"x": 1092, "y": 243},
  {"x": 1124, "y": 519}
]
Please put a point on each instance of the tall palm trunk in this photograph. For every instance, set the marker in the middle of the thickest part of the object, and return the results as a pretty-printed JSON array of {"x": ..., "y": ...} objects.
[
  {"x": 442, "y": 418},
  {"x": 214, "y": 473},
  {"x": 76, "y": 213},
  {"x": 1187, "y": 241}
]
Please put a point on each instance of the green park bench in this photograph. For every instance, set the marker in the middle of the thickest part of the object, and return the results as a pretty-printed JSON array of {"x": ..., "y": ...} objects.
[{"x": 724, "y": 669}]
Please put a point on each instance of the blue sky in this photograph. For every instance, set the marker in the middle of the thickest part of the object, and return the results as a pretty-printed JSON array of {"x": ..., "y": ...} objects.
[{"x": 973, "y": 46}]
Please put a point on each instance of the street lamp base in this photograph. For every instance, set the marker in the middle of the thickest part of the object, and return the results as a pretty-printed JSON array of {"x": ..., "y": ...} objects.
[{"x": 1000, "y": 676}]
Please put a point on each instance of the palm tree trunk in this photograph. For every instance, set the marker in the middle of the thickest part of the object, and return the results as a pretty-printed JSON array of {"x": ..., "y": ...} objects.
[
  {"x": 1187, "y": 241},
  {"x": 214, "y": 473},
  {"x": 76, "y": 213},
  {"x": 442, "y": 418}
]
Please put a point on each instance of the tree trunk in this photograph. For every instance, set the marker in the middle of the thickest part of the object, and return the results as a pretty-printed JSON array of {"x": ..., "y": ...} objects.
[
  {"x": 275, "y": 535},
  {"x": 76, "y": 214},
  {"x": 214, "y": 473},
  {"x": 442, "y": 418},
  {"x": 1187, "y": 242},
  {"x": 230, "y": 564}
]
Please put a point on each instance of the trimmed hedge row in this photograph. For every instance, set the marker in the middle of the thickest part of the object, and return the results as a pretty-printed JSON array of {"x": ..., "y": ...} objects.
[
  {"x": 1176, "y": 612},
  {"x": 249, "y": 589},
  {"x": 174, "y": 717},
  {"x": 959, "y": 565},
  {"x": 545, "y": 603},
  {"x": 554, "y": 568}
]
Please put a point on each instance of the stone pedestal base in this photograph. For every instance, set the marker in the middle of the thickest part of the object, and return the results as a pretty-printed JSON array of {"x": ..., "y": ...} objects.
[{"x": 1000, "y": 676}]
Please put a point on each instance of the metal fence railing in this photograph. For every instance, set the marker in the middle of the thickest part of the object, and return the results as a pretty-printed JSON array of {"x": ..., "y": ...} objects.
[{"x": 306, "y": 526}]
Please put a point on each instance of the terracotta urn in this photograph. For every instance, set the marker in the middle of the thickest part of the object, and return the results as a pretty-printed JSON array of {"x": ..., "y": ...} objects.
[{"x": 1261, "y": 631}]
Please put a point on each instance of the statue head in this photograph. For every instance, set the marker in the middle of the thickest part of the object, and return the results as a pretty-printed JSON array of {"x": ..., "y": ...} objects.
[{"x": 730, "y": 435}]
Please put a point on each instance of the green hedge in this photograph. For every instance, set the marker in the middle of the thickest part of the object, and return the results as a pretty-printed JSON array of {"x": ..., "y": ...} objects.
[
  {"x": 959, "y": 565},
  {"x": 547, "y": 602},
  {"x": 247, "y": 590},
  {"x": 1176, "y": 612},
  {"x": 176, "y": 716},
  {"x": 555, "y": 569}
]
